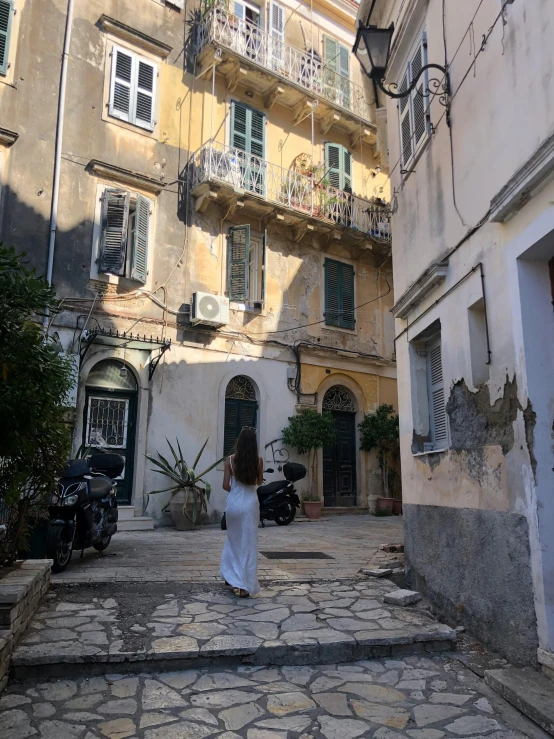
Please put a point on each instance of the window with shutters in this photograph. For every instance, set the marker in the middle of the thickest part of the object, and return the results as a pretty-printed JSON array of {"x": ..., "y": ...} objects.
[
  {"x": 124, "y": 234},
  {"x": 132, "y": 89},
  {"x": 276, "y": 21},
  {"x": 436, "y": 395},
  {"x": 338, "y": 172},
  {"x": 246, "y": 266},
  {"x": 241, "y": 409},
  {"x": 413, "y": 112},
  {"x": 6, "y": 15},
  {"x": 336, "y": 72},
  {"x": 339, "y": 294}
]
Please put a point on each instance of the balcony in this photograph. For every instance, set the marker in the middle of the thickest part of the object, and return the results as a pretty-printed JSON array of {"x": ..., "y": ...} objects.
[
  {"x": 238, "y": 181},
  {"x": 245, "y": 54}
]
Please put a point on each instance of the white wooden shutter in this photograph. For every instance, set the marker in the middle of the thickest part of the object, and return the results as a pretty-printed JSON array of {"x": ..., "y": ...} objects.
[
  {"x": 419, "y": 96},
  {"x": 405, "y": 111},
  {"x": 113, "y": 241},
  {"x": 437, "y": 405},
  {"x": 140, "y": 246},
  {"x": 277, "y": 35},
  {"x": 145, "y": 80},
  {"x": 6, "y": 13},
  {"x": 121, "y": 89}
]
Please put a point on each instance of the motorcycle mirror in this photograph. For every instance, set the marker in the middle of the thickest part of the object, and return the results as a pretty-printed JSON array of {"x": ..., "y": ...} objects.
[{"x": 270, "y": 469}]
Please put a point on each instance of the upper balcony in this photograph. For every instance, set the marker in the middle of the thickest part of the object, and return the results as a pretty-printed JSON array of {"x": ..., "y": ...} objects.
[
  {"x": 245, "y": 54},
  {"x": 306, "y": 204}
]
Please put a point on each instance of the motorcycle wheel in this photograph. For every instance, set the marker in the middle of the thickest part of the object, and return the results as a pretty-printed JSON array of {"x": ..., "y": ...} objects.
[
  {"x": 286, "y": 515},
  {"x": 224, "y": 522},
  {"x": 59, "y": 548},
  {"x": 102, "y": 544}
]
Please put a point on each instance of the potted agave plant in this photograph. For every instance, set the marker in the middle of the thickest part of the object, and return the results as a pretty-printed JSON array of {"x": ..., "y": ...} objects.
[{"x": 190, "y": 494}]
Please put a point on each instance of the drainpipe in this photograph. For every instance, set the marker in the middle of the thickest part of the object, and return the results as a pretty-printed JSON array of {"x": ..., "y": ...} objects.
[{"x": 58, "y": 153}]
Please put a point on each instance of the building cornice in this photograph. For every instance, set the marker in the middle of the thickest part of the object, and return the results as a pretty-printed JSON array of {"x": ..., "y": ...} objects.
[
  {"x": 420, "y": 289},
  {"x": 524, "y": 183},
  {"x": 126, "y": 176},
  {"x": 137, "y": 38},
  {"x": 7, "y": 138}
]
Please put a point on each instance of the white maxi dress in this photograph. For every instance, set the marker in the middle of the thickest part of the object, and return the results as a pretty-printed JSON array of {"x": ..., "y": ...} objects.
[{"x": 239, "y": 559}]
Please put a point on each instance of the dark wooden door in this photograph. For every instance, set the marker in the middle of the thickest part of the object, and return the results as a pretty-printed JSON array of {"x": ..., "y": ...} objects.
[
  {"x": 339, "y": 463},
  {"x": 110, "y": 423}
]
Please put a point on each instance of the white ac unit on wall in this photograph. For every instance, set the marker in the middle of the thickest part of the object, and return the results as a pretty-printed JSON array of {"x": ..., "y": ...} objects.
[{"x": 209, "y": 310}]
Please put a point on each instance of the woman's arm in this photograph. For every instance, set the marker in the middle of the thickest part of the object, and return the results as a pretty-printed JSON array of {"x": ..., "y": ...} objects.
[
  {"x": 260, "y": 471},
  {"x": 227, "y": 476}
]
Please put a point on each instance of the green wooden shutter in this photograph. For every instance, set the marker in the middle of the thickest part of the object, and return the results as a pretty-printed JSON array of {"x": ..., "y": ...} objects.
[
  {"x": 230, "y": 431},
  {"x": 339, "y": 294},
  {"x": 6, "y": 13},
  {"x": 264, "y": 263},
  {"x": 248, "y": 414},
  {"x": 238, "y": 244},
  {"x": 347, "y": 317},
  {"x": 140, "y": 247},
  {"x": 334, "y": 164},
  {"x": 346, "y": 170},
  {"x": 257, "y": 133},
  {"x": 332, "y": 292},
  {"x": 113, "y": 241},
  {"x": 331, "y": 53},
  {"x": 239, "y": 126},
  {"x": 344, "y": 61}
]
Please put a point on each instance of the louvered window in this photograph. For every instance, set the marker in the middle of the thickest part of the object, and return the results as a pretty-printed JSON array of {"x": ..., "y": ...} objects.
[
  {"x": 241, "y": 409},
  {"x": 339, "y": 294},
  {"x": 6, "y": 15},
  {"x": 124, "y": 234},
  {"x": 437, "y": 403},
  {"x": 248, "y": 135},
  {"x": 277, "y": 36},
  {"x": 132, "y": 89},
  {"x": 336, "y": 72},
  {"x": 413, "y": 109}
]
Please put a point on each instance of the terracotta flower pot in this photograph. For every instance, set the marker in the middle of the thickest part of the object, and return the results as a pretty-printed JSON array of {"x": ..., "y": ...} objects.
[
  {"x": 396, "y": 507},
  {"x": 385, "y": 506},
  {"x": 181, "y": 522},
  {"x": 312, "y": 509}
]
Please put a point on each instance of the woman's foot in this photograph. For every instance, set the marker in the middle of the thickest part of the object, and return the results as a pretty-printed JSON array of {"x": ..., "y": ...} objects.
[
  {"x": 244, "y": 593},
  {"x": 226, "y": 583}
]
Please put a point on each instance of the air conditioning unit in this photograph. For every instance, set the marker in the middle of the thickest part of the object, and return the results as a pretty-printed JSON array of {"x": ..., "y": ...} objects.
[{"x": 209, "y": 310}]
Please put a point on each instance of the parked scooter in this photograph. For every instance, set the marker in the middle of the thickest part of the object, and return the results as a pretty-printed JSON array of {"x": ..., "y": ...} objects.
[
  {"x": 83, "y": 512},
  {"x": 278, "y": 500}
]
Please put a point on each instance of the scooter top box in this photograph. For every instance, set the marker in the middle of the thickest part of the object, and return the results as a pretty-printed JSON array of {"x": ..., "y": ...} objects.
[
  {"x": 294, "y": 471},
  {"x": 107, "y": 464}
]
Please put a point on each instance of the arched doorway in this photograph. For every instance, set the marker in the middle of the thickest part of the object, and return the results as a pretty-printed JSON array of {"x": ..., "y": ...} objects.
[
  {"x": 111, "y": 393},
  {"x": 241, "y": 409},
  {"x": 339, "y": 460}
]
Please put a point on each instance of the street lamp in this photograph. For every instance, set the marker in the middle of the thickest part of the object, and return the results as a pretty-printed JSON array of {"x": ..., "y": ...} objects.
[{"x": 372, "y": 49}]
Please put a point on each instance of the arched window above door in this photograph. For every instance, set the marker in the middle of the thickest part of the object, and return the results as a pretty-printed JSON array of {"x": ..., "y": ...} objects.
[
  {"x": 339, "y": 398},
  {"x": 113, "y": 375},
  {"x": 241, "y": 409}
]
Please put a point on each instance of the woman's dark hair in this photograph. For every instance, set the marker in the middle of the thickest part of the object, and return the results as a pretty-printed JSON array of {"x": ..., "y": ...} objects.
[{"x": 246, "y": 463}]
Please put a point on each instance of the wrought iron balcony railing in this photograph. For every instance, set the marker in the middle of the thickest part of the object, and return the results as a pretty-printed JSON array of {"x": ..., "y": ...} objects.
[
  {"x": 216, "y": 162},
  {"x": 306, "y": 69}
]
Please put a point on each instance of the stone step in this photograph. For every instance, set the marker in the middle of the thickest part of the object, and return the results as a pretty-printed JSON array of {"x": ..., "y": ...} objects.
[
  {"x": 126, "y": 512},
  {"x": 138, "y": 523},
  {"x": 344, "y": 511},
  {"x": 527, "y": 690},
  {"x": 286, "y": 625}
]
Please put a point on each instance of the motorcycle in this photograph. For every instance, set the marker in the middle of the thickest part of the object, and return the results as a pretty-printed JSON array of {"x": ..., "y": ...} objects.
[
  {"x": 83, "y": 511},
  {"x": 278, "y": 500}
]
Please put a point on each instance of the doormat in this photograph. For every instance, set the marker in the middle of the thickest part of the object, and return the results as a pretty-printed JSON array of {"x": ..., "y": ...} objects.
[{"x": 296, "y": 555}]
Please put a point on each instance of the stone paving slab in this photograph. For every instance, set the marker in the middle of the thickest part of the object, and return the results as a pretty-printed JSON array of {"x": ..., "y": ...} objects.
[
  {"x": 144, "y": 628},
  {"x": 416, "y": 697},
  {"x": 167, "y": 555}
]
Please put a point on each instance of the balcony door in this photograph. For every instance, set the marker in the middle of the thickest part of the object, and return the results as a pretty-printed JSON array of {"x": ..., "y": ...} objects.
[
  {"x": 249, "y": 21},
  {"x": 248, "y": 147},
  {"x": 338, "y": 171}
]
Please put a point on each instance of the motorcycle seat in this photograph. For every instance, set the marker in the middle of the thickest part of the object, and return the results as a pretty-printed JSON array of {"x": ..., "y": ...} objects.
[
  {"x": 98, "y": 487},
  {"x": 264, "y": 491}
]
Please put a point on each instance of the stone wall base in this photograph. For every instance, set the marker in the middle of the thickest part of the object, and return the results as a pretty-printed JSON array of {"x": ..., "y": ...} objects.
[
  {"x": 475, "y": 568},
  {"x": 22, "y": 587}
]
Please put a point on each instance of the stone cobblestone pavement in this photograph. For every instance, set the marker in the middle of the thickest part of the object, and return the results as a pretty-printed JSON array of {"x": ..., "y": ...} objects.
[
  {"x": 167, "y": 555},
  {"x": 287, "y": 623},
  {"x": 417, "y": 697}
]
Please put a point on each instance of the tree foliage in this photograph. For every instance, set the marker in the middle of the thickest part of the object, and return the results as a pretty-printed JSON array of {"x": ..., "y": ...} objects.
[
  {"x": 381, "y": 431},
  {"x": 35, "y": 380},
  {"x": 309, "y": 431}
]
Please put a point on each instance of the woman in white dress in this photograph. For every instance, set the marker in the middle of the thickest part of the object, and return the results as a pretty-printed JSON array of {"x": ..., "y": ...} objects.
[{"x": 243, "y": 473}]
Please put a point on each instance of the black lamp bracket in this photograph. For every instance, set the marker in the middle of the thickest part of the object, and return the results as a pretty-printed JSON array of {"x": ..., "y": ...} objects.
[{"x": 436, "y": 87}]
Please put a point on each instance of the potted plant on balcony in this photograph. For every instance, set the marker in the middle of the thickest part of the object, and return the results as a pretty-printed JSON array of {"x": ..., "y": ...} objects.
[
  {"x": 306, "y": 433},
  {"x": 312, "y": 506},
  {"x": 190, "y": 494},
  {"x": 380, "y": 431}
]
